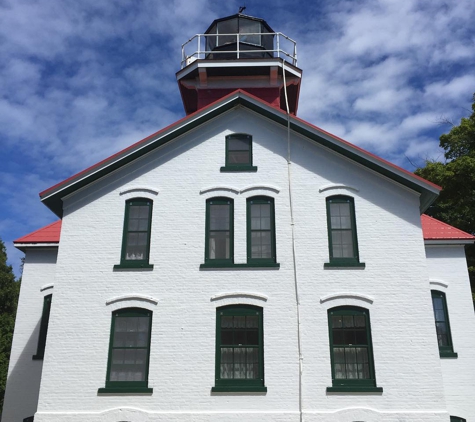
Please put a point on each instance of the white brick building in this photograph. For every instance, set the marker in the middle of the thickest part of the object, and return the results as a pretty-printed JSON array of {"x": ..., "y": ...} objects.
[{"x": 243, "y": 265}]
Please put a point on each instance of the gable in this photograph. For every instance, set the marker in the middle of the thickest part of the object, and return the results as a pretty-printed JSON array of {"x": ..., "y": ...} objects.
[{"x": 52, "y": 197}]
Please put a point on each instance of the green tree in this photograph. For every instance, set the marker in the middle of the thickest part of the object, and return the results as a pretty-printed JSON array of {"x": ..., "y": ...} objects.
[
  {"x": 456, "y": 203},
  {"x": 9, "y": 290}
]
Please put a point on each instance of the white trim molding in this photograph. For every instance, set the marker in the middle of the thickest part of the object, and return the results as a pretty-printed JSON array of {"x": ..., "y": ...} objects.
[
  {"x": 439, "y": 283},
  {"x": 46, "y": 287},
  {"x": 226, "y": 189},
  {"x": 145, "y": 191},
  {"x": 337, "y": 186},
  {"x": 239, "y": 295},
  {"x": 271, "y": 188},
  {"x": 347, "y": 295},
  {"x": 132, "y": 297}
]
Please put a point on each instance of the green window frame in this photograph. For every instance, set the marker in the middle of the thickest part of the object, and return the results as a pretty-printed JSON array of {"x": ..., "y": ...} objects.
[
  {"x": 136, "y": 234},
  {"x": 40, "y": 351},
  {"x": 219, "y": 247},
  {"x": 442, "y": 325},
  {"x": 342, "y": 237},
  {"x": 261, "y": 248},
  {"x": 239, "y": 349},
  {"x": 351, "y": 350},
  {"x": 129, "y": 351},
  {"x": 238, "y": 153}
]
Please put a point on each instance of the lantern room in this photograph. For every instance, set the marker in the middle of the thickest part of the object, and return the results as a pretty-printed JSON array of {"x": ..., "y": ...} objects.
[{"x": 239, "y": 52}]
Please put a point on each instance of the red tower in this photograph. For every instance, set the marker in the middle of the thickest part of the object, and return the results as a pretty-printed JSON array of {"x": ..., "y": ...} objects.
[{"x": 239, "y": 52}]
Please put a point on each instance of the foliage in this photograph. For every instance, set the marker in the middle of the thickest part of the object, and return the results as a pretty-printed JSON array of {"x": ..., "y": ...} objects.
[
  {"x": 9, "y": 290},
  {"x": 456, "y": 203}
]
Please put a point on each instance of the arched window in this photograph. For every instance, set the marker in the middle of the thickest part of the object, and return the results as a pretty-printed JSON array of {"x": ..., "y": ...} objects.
[
  {"x": 342, "y": 239},
  {"x": 260, "y": 230},
  {"x": 129, "y": 351},
  {"x": 239, "y": 349},
  {"x": 219, "y": 247},
  {"x": 442, "y": 325},
  {"x": 351, "y": 350},
  {"x": 136, "y": 235}
]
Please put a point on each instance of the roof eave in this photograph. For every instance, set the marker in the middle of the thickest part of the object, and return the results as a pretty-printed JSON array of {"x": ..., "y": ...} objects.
[
  {"x": 448, "y": 242},
  {"x": 44, "y": 245}
]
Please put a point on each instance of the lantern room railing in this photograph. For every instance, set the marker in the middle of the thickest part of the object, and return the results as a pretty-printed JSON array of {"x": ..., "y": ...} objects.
[{"x": 196, "y": 47}]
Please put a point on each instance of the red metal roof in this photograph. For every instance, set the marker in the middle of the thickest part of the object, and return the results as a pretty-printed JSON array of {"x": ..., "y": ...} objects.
[
  {"x": 48, "y": 234},
  {"x": 437, "y": 230}
]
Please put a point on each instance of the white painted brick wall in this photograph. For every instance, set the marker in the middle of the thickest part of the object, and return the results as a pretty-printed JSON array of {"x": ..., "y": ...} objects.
[
  {"x": 182, "y": 357},
  {"x": 448, "y": 265},
  {"x": 24, "y": 373}
]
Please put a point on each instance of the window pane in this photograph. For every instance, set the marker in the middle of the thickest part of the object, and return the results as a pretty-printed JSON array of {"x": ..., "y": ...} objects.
[
  {"x": 219, "y": 245},
  {"x": 239, "y": 363},
  {"x": 227, "y": 27},
  {"x": 226, "y": 336},
  {"x": 226, "y": 367},
  {"x": 136, "y": 245},
  {"x": 252, "y": 337},
  {"x": 360, "y": 321},
  {"x": 437, "y": 303},
  {"x": 239, "y": 157},
  {"x": 363, "y": 365},
  {"x": 440, "y": 315},
  {"x": 128, "y": 365},
  {"x": 337, "y": 321},
  {"x": 260, "y": 217},
  {"x": 442, "y": 336},
  {"x": 261, "y": 246},
  {"x": 342, "y": 244},
  {"x": 219, "y": 216},
  {"x": 227, "y": 322},
  {"x": 249, "y": 27},
  {"x": 361, "y": 337},
  {"x": 238, "y": 144},
  {"x": 252, "y": 363},
  {"x": 348, "y": 321}
]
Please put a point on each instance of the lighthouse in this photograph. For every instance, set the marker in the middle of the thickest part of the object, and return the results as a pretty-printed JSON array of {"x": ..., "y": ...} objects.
[{"x": 239, "y": 52}]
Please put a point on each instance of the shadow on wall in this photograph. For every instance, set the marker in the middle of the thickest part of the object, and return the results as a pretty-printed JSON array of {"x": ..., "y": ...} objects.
[{"x": 23, "y": 383}]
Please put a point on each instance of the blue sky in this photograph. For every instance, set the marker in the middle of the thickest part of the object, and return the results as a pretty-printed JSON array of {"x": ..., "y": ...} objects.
[{"x": 80, "y": 80}]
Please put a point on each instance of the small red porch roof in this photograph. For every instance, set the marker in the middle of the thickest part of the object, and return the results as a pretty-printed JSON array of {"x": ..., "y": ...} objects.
[
  {"x": 48, "y": 234},
  {"x": 437, "y": 230}
]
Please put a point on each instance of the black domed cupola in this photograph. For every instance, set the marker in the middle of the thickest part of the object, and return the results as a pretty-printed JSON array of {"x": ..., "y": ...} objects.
[
  {"x": 256, "y": 38},
  {"x": 239, "y": 52}
]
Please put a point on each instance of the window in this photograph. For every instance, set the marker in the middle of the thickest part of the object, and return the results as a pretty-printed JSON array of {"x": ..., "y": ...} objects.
[
  {"x": 239, "y": 153},
  {"x": 239, "y": 349},
  {"x": 351, "y": 350},
  {"x": 219, "y": 231},
  {"x": 260, "y": 231},
  {"x": 40, "y": 351},
  {"x": 129, "y": 352},
  {"x": 342, "y": 238},
  {"x": 442, "y": 325},
  {"x": 457, "y": 419},
  {"x": 136, "y": 237}
]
